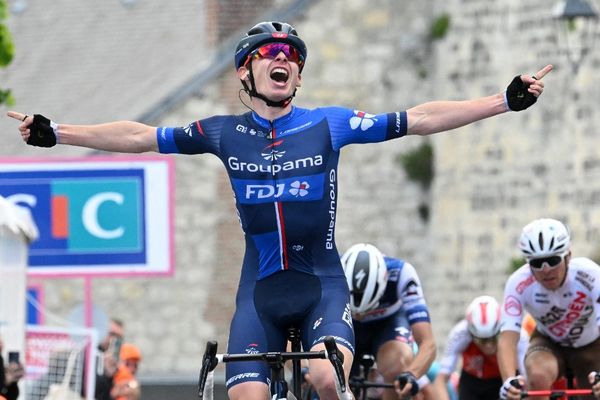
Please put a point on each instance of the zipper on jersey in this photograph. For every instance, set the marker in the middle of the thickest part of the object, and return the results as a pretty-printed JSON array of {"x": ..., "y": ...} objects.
[{"x": 279, "y": 208}]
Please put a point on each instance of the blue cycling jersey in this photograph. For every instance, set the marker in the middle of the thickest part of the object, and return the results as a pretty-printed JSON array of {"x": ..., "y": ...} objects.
[{"x": 284, "y": 176}]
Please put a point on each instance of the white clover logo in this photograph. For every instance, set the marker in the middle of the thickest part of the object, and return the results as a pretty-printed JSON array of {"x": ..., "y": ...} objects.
[
  {"x": 362, "y": 119},
  {"x": 299, "y": 189}
]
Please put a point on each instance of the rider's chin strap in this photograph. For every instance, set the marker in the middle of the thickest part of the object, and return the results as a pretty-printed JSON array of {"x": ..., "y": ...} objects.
[{"x": 253, "y": 93}]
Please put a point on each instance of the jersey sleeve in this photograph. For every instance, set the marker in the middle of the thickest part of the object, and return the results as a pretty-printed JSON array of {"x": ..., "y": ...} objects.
[
  {"x": 411, "y": 293},
  {"x": 457, "y": 342},
  {"x": 198, "y": 137},
  {"x": 513, "y": 303},
  {"x": 352, "y": 126},
  {"x": 594, "y": 273}
]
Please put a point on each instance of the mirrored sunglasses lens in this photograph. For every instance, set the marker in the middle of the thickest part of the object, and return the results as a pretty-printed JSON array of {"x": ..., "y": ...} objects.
[{"x": 271, "y": 50}]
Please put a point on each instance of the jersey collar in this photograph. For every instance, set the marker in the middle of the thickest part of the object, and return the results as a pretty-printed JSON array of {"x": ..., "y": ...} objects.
[{"x": 276, "y": 123}]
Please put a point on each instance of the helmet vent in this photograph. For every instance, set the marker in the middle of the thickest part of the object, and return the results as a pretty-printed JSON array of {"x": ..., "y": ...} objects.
[
  {"x": 255, "y": 31},
  {"x": 530, "y": 245},
  {"x": 551, "y": 244},
  {"x": 541, "y": 240}
]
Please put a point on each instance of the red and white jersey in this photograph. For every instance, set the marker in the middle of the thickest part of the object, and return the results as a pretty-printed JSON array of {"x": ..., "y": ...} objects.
[
  {"x": 568, "y": 315},
  {"x": 474, "y": 361}
]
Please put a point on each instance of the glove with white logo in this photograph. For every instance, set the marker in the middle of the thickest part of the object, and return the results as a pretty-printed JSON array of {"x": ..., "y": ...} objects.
[
  {"x": 408, "y": 377},
  {"x": 512, "y": 382},
  {"x": 518, "y": 97},
  {"x": 42, "y": 132}
]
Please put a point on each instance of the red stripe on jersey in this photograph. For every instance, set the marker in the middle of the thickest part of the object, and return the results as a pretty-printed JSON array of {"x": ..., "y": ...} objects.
[
  {"x": 277, "y": 143},
  {"x": 200, "y": 128},
  {"x": 284, "y": 255}
]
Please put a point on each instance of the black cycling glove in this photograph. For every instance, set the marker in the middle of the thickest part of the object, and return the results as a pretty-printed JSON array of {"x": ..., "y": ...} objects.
[
  {"x": 408, "y": 377},
  {"x": 517, "y": 96},
  {"x": 41, "y": 132}
]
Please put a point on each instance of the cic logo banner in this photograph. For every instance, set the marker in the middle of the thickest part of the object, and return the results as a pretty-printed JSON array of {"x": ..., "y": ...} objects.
[{"x": 95, "y": 216}]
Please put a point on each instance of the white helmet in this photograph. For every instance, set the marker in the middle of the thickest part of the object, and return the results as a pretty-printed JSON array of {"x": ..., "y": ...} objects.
[
  {"x": 366, "y": 275},
  {"x": 483, "y": 317},
  {"x": 543, "y": 238}
]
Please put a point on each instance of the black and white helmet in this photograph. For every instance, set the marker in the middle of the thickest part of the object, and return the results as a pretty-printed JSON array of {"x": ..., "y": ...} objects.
[
  {"x": 366, "y": 275},
  {"x": 543, "y": 238}
]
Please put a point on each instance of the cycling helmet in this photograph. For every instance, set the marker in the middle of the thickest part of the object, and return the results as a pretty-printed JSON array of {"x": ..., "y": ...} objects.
[
  {"x": 267, "y": 32},
  {"x": 483, "y": 317},
  {"x": 366, "y": 274},
  {"x": 543, "y": 238}
]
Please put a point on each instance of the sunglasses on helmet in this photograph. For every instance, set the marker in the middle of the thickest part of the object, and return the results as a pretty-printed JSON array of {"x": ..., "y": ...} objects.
[
  {"x": 272, "y": 50},
  {"x": 552, "y": 261}
]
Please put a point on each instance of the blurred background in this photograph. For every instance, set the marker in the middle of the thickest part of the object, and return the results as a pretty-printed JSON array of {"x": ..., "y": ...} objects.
[{"x": 452, "y": 204}]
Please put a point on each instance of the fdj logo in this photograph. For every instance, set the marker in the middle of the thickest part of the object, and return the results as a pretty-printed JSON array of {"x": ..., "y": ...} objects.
[
  {"x": 97, "y": 215},
  {"x": 301, "y": 188},
  {"x": 297, "y": 189}
]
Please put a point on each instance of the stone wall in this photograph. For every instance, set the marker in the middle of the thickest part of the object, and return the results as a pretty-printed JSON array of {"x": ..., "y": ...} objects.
[{"x": 491, "y": 177}]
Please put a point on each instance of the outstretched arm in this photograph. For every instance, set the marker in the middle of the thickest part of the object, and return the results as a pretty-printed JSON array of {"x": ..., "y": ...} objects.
[
  {"x": 438, "y": 116},
  {"x": 121, "y": 136}
]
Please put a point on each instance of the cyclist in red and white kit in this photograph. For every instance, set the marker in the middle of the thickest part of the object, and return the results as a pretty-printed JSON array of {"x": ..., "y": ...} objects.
[
  {"x": 562, "y": 294},
  {"x": 474, "y": 339}
]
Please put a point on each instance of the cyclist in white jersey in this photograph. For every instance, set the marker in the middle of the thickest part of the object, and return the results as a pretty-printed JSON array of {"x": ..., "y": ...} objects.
[
  {"x": 388, "y": 311},
  {"x": 562, "y": 295}
]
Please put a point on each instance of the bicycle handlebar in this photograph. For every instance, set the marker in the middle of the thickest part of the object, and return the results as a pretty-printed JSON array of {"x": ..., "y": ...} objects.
[
  {"x": 209, "y": 363},
  {"x": 363, "y": 383},
  {"x": 559, "y": 393},
  {"x": 555, "y": 393},
  {"x": 335, "y": 356}
]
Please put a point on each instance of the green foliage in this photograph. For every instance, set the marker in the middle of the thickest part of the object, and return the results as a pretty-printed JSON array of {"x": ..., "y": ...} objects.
[
  {"x": 418, "y": 164},
  {"x": 7, "y": 51},
  {"x": 3, "y": 10},
  {"x": 6, "y": 97},
  {"x": 440, "y": 27},
  {"x": 516, "y": 263},
  {"x": 7, "y": 48}
]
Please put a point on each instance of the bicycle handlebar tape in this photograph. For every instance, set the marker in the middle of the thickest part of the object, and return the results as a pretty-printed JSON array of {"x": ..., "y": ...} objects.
[
  {"x": 41, "y": 132},
  {"x": 408, "y": 377},
  {"x": 517, "y": 96}
]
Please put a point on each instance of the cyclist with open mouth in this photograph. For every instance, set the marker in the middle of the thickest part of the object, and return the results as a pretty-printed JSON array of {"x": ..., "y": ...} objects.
[{"x": 282, "y": 164}]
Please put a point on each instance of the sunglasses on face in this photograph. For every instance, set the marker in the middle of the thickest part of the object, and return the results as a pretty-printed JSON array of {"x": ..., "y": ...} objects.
[
  {"x": 484, "y": 341},
  {"x": 272, "y": 50},
  {"x": 552, "y": 261}
]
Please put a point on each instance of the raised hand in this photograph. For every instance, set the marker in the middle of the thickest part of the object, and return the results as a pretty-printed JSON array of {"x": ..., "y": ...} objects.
[{"x": 524, "y": 90}]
